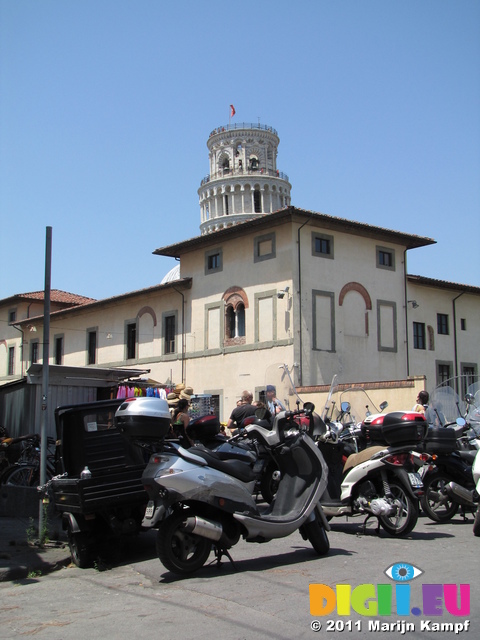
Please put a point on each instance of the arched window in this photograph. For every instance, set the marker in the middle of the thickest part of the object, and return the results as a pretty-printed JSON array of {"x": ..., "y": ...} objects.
[
  {"x": 229, "y": 322},
  {"x": 257, "y": 201},
  {"x": 236, "y": 302},
  {"x": 240, "y": 318}
]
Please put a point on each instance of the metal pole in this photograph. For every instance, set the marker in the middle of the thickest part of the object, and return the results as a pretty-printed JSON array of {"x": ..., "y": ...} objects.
[{"x": 45, "y": 377}]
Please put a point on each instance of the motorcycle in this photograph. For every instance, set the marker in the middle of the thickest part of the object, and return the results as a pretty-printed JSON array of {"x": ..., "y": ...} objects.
[
  {"x": 199, "y": 500},
  {"x": 381, "y": 480},
  {"x": 448, "y": 480}
]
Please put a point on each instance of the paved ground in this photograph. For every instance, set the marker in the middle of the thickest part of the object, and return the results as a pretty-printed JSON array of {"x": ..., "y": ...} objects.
[{"x": 265, "y": 596}]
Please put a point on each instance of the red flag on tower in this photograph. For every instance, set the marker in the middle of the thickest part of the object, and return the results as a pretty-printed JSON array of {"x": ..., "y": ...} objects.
[{"x": 232, "y": 110}]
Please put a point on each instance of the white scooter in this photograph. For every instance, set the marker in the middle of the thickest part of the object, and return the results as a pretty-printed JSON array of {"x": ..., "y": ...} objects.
[
  {"x": 199, "y": 500},
  {"x": 381, "y": 480},
  {"x": 476, "y": 479}
]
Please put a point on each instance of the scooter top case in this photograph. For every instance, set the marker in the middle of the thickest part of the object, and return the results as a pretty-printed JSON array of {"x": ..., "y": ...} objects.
[
  {"x": 143, "y": 419},
  {"x": 395, "y": 429}
]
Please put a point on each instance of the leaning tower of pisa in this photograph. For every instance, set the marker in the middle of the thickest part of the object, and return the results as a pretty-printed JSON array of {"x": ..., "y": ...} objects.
[{"x": 244, "y": 181}]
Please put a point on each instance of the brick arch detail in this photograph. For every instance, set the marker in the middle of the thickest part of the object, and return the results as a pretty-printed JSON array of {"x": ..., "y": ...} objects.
[
  {"x": 235, "y": 295},
  {"x": 150, "y": 311},
  {"x": 359, "y": 288}
]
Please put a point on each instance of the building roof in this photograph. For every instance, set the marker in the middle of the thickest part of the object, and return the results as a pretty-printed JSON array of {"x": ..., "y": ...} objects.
[
  {"x": 292, "y": 214},
  {"x": 443, "y": 284},
  {"x": 62, "y": 297},
  {"x": 182, "y": 283}
]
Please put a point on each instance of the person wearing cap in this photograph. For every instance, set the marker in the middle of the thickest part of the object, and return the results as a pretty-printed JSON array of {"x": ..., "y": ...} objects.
[
  {"x": 243, "y": 410},
  {"x": 273, "y": 403}
]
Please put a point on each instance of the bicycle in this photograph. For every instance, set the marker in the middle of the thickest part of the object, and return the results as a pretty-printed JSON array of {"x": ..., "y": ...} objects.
[{"x": 25, "y": 472}]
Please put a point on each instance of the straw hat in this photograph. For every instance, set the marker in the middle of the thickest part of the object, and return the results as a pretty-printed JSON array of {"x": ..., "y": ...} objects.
[
  {"x": 180, "y": 387},
  {"x": 172, "y": 399},
  {"x": 185, "y": 396}
]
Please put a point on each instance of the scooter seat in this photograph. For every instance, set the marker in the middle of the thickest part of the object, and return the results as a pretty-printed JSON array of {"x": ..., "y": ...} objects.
[
  {"x": 357, "y": 458},
  {"x": 236, "y": 468}
]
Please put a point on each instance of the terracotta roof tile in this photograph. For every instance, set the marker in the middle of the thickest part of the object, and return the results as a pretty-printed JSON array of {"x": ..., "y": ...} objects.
[{"x": 71, "y": 299}]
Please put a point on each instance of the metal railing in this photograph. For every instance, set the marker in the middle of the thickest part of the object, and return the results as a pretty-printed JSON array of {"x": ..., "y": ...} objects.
[
  {"x": 240, "y": 171},
  {"x": 243, "y": 125}
]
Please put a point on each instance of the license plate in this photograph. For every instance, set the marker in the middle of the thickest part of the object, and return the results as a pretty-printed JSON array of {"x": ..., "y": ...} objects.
[
  {"x": 150, "y": 509},
  {"x": 415, "y": 480}
]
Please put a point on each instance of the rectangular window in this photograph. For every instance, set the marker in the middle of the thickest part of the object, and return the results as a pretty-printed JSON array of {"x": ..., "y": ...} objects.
[
  {"x": 91, "y": 347},
  {"x": 58, "y": 350},
  {"x": 131, "y": 341},
  {"x": 419, "y": 335},
  {"x": 443, "y": 372},
  {"x": 11, "y": 361},
  {"x": 469, "y": 377},
  {"x": 264, "y": 247},
  {"x": 12, "y": 316},
  {"x": 385, "y": 258},
  {"x": 322, "y": 245},
  {"x": 170, "y": 331},
  {"x": 463, "y": 324},
  {"x": 34, "y": 352},
  {"x": 442, "y": 324},
  {"x": 213, "y": 261}
]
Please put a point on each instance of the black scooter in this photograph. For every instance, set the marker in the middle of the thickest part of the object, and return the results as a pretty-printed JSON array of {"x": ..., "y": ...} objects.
[{"x": 448, "y": 481}]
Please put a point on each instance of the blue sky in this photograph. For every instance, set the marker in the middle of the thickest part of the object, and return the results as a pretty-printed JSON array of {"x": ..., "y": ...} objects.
[{"x": 106, "y": 107}]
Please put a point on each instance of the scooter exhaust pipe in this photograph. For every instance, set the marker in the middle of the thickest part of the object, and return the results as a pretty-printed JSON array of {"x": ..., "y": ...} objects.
[
  {"x": 460, "y": 494},
  {"x": 204, "y": 528}
]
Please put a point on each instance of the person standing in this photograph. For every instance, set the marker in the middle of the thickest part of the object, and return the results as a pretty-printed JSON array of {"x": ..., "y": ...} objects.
[
  {"x": 422, "y": 402},
  {"x": 273, "y": 403},
  {"x": 243, "y": 410}
]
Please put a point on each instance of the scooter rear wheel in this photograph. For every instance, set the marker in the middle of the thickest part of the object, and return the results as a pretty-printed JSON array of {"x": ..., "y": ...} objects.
[
  {"x": 179, "y": 551},
  {"x": 435, "y": 502},
  {"x": 404, "y": 521}
]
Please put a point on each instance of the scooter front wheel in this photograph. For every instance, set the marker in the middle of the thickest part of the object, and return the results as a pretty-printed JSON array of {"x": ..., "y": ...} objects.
[
  {"x": 476, "y": 523},
  {"x": 315, "y": 533},
  {"x": 179, "y": 551},
  {"x": 405, "y": 519}
]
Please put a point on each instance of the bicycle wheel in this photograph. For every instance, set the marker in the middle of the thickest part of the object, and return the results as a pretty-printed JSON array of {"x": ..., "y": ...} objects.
[{"x": 25, "y": 475}]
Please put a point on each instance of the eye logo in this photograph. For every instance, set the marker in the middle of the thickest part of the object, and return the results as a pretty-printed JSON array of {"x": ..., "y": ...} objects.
[{"x": 403, "y": 572}]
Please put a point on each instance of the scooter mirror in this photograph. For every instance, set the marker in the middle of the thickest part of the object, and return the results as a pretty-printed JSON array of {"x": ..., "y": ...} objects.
[
  {"x": 469, "y": 398},
  {"x": 345, "y": 406},
  {"x": 384, "y": 405},
  {"x": 461, "y": 422},
  {"x": 309, "y": 407}
]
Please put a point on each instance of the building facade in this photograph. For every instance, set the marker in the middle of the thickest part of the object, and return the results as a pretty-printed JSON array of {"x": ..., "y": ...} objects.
[{"x": 323, "y": 295}]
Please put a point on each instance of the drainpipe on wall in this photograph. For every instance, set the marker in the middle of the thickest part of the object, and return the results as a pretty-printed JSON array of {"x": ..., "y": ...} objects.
[
  {"x": 300, "y": 359},
  {"x": 183, "y": 334},
  {"x": 455, "y": 338},
  {"x": 406, "y": 310}
]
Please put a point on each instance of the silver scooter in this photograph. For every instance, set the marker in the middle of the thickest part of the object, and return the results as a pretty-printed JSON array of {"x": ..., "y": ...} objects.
[{"x": 199, "y": 500}]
